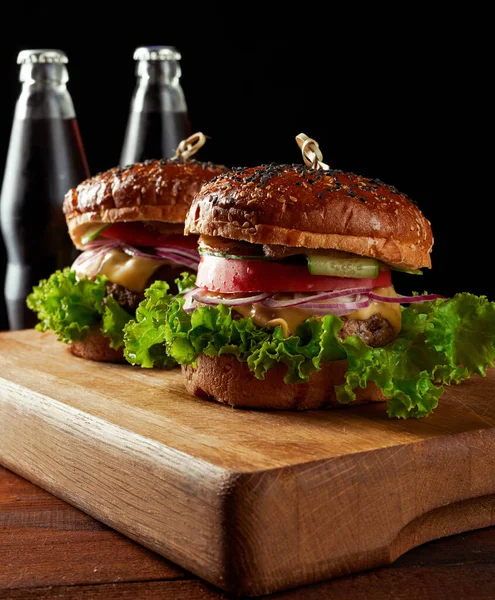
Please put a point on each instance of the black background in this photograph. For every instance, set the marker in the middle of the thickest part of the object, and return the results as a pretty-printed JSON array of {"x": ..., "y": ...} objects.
[{"x": 401, "y": 97}]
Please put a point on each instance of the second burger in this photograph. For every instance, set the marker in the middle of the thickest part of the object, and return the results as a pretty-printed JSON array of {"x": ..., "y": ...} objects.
[{"x": 129, "y": 224}]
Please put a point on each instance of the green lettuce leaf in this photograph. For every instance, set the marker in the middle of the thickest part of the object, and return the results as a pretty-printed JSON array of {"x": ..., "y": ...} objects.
[
  {"x": 211, "y": 330},
  {"x": 66, "y": 305},
  {"x": 185, "y": 283},
  {"x": 441, "y": 343},
  {"x": 70, "y": 307},
  {"x": 114, "y": 321},
  {"x": 144, "y": 336}
]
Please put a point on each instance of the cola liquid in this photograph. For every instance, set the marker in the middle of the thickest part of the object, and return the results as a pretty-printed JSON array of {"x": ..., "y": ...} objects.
[
  {"x": 42, "y": 165},
  {"x": 158, "y": 117},
  {"x": 3, "y": 264},
  {"x": 45, "y": 159}
]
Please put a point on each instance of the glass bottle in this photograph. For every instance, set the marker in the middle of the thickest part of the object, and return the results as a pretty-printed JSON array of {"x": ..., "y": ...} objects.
[
  {"x": 45, "y": 159},
  {"x": 3, "y": 261},
  {"x": 158, "y": 118}
]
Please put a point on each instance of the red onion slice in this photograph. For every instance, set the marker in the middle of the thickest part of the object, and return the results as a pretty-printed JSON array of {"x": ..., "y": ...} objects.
[
  {"x": 190, "y": 304},
  {"x": 188, "y": 252},
  {"x": 188, "y": 261},
  {"x": 98, "y": 248},
  {"x": 303, "y": 300},
  {"x": 82, "y": 268},
  {"x": 94, "y": 253},
  {"x": 100, "y": 243},
  {"x": 405, "y": 299},
  {"x": 338, "y": 308},
  {"x": 132, "y": 251},
  {"x": 179, "y": 260},
  {"x": 203, "y": 297}
]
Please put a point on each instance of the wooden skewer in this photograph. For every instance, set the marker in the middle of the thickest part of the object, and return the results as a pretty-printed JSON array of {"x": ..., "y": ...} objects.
[{"x": 311, "y": 152}]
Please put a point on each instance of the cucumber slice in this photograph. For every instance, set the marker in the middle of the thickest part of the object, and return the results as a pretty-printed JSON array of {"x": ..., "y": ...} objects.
[
  {"x": 366, "y": 268},
  {"x": 93, "y": 232},
  {"x": 410, "y": 272}
]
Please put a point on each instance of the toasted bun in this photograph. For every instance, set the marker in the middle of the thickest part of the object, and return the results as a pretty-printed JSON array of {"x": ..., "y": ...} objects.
[
  {"x": 97, "y": 347},
  {"x": 294, "y": 205},
  {"x": 225, "y": 379},
  {"x": 156, "y": 190}
]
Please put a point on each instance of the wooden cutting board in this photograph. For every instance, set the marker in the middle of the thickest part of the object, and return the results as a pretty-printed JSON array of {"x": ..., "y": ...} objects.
[{"x": 252, "y": 501}]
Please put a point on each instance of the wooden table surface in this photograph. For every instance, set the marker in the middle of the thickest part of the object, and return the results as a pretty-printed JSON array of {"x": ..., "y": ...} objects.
[{"x": 49, "y": 550}]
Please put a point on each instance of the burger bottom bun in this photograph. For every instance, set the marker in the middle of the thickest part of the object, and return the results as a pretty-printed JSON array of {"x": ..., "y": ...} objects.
[
  {"x": 97, "y": 347},
  {"x": 226, "y": 380}
]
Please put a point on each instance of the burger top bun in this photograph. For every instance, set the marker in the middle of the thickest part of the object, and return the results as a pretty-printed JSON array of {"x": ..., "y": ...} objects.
[
  {"x": 156, "y": 190},
  {"x": 300, "y": 206}
]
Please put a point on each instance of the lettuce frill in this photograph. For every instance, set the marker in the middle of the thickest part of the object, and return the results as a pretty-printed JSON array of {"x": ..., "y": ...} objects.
[
  {"x": 442, "y": 342},
  {"x": 71, "y": 307}
]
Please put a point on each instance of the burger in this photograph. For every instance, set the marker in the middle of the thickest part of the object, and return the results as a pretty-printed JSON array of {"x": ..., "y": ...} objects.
[
  {"x": 295, "y": 306},
  {"x": 128, "y": 224}
]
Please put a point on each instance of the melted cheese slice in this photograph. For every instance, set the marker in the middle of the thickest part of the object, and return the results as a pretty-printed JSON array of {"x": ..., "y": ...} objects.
[
  {"x": 132, "y": 272},
  {"x": 390, "y": 311},
  {"x": 289, "y": 318}
]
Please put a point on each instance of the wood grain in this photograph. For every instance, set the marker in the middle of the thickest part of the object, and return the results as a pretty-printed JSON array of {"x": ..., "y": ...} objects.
[
  {"x": 162, "y": 590},
  {"x": 253, "y": 502},
  {"x": 41, "y": 536},
  {"x": 461, "y": 566},
  {"x": 465, "y": 583}
]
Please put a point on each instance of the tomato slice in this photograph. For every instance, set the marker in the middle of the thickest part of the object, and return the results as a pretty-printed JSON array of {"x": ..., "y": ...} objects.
[
  {"x": 225, "y": 275},
  {"x": 137, "y": 234}
]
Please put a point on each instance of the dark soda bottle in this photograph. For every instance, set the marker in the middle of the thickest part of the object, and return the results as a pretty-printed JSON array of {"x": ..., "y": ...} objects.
[
  {"x": 158, "y": 117},
  {"x": 45, "y": 159},
  {"x": 3, "y": 264}
]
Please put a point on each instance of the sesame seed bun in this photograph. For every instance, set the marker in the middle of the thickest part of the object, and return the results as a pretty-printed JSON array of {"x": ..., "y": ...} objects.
[
  {"x": 297, "y": 206},
  {"x": 156, "y": 190}
]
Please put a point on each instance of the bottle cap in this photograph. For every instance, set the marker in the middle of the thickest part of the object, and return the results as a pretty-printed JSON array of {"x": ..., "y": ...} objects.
[
  {"x": 156, "y": 53},
  {"x": 41, "y": 57}
]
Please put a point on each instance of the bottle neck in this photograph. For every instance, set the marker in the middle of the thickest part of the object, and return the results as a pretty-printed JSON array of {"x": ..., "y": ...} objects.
[
  {"x": 44, "y": 99},
  {"x": 44, "y": 72},
  {"x": 166, "y": 72},
  {"x": 158, "y": 88}
]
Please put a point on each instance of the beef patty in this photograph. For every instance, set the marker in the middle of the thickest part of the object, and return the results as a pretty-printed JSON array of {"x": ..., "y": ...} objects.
[
  {"x": 375, "y": 331},
  {"x": 130, "y": 300}
]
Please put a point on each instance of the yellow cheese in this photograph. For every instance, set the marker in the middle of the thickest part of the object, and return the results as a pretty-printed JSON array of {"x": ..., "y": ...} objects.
[
  {"x": 289, "y": 318},
  {"x": 132, "y": 272},
  {"x": 389, "y": 311}
]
